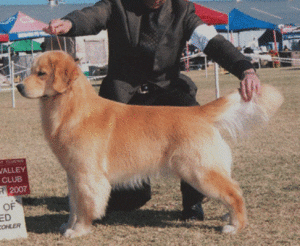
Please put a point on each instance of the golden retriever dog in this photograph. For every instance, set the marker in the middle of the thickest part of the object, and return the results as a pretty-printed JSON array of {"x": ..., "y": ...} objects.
[{"x": 102, "y": 144}]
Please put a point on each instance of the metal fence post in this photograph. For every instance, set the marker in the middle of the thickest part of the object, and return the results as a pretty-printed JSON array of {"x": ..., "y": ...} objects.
[
  {"x": 217, "y": 80},
  {"x": 12, "y": 78}
]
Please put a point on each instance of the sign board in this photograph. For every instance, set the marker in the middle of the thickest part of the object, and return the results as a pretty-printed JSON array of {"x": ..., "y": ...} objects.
[
  {"x": 13, "y": 183},
  {"x": 12, "y": 220},
  {"x": 13, "y": 175}
]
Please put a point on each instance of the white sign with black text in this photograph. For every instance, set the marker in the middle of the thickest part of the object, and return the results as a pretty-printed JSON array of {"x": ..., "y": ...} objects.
[{"x": 12, "y": 220}]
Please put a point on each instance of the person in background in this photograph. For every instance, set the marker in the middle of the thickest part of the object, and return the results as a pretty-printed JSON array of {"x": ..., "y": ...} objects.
[
  {"x": 146, "y": 40},
  {"x": 285, "y": 48}
]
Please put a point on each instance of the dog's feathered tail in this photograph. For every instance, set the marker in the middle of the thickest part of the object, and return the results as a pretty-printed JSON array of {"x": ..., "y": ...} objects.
[{"x": 239, "y": 117}]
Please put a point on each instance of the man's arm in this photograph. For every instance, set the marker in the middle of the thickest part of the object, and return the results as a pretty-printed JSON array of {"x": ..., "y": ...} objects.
[
  {"x": 88, "y": 21},
  {"x": 224, "y": 53}
]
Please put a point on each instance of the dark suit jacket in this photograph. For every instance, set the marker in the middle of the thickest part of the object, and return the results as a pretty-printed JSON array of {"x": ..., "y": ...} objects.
[{"x": 128, "y": 68}]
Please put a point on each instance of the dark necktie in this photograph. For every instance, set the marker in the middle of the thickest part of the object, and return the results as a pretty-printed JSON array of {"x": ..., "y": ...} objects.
[{"x": 149, "y": 37}]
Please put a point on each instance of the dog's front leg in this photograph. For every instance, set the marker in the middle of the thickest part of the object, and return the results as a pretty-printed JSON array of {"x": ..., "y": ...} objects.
[
  {"x": 72, "y": 217},
  {"x": 89, "y": 193}
]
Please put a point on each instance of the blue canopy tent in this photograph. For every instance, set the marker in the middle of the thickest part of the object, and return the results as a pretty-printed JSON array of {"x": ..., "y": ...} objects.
[
  {"x": 239, "y": 21},
  {"x": 20, "y": 27}
]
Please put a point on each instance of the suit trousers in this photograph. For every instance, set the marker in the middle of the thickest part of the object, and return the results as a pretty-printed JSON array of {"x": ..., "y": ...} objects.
[{"x": 130, "y": 199}]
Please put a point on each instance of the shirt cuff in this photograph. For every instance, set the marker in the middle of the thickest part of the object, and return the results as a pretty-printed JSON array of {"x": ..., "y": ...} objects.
[{"x": 201, "y": 36}]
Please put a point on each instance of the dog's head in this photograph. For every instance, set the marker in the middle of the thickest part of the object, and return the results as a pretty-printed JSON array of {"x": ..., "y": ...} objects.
[{"x": 52, "y": 73}]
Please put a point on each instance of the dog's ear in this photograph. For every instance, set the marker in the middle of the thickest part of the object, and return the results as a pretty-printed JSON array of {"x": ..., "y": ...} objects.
[{"x": 65, "y": 72}]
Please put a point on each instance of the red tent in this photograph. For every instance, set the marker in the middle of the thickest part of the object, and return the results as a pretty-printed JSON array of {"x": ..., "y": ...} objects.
[
  {"x": 3, "y": 37},
  {"x": 210, "y": 16}
]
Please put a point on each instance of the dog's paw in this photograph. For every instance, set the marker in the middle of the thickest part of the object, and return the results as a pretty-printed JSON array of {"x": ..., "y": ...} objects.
[
  {"x": 229, "y": 229},
  {"x": 70, "y": 233},
  {"x": 77, "y": 232}
]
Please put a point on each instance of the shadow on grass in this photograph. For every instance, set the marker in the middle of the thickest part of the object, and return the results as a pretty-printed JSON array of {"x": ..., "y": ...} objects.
[
  {"x": 294, "y": 68},
  {"x": 46, "y": 223},
  {"x": 138, "y": 218},
  {"x": 152, "y": 218},
  {"x": 55, "y": 204}
]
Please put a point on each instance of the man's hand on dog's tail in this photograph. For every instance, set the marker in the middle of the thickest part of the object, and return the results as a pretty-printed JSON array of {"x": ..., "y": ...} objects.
[{"x": 250, "y": 84}]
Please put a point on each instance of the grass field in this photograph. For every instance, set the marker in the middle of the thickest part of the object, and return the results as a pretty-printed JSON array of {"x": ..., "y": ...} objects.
[{"x": 267, "y": 166}]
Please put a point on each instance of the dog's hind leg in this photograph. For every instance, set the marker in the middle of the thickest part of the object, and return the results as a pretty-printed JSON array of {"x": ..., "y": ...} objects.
[
  {"x": 89, "y": 195},
  {"x": 215, "y": 184},
  {"x": 228, "y": 191}
]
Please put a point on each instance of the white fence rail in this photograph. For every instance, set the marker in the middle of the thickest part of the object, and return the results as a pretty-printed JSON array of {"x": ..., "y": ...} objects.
[
  {"x": 16, "y": 73},
  {"x": 7, "y": 83}
]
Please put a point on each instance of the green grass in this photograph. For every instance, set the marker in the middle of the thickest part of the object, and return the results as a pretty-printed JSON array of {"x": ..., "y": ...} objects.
[{"x": 266, "y": 165}]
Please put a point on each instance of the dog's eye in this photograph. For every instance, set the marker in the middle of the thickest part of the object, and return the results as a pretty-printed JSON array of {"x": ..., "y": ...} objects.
[{"x": 41, "y": 73}]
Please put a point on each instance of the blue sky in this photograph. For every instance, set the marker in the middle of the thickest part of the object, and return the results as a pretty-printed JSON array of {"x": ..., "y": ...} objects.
[{"x": 27, "y": 2}]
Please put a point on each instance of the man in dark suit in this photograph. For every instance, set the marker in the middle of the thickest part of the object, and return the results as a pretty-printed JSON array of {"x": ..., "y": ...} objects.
[{"x": 146, "y": 40}]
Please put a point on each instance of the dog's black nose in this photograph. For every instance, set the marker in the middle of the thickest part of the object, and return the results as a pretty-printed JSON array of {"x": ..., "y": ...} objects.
[{"x": 20, "y": 87}]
